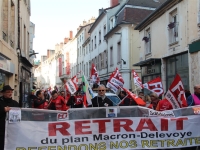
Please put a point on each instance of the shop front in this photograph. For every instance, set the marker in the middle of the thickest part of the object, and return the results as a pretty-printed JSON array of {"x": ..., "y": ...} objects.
[
  {"x": 7, "y": 69},
  {"x": 177, "y": 64},
  {"x": 150, "y": 69}
]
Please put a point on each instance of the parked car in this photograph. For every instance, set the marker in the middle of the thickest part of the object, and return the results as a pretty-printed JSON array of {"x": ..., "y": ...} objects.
[{"x": 113, "y": 97}]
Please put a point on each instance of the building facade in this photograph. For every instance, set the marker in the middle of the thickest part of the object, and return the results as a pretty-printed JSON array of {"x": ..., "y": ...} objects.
[
  {"x": 164, "y": 43},
  {"x": 14, "y": 43}
]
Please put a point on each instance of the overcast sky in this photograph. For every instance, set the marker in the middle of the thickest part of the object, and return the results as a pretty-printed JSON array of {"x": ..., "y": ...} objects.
[{"x": 54, "y": 19}]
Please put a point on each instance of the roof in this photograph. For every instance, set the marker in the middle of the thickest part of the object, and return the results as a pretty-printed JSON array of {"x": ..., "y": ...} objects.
[
  {"x": 82, "y": 28},
  {"x": 147, "y": 21},
  {"x": 133, "y": 15},
  {"x": 97, "y": 21},
  {"x": 129, "y": 16},
  {"x": 146, "y": 3}
]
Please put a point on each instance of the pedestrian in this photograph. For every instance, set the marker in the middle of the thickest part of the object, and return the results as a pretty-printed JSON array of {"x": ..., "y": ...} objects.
[
  {"x": 32, "y": 98},
  {"x": 154, "y": 100},
  {"x": 127, "y": 100},
  {"x": 40, "y": 102},
  {"x": 62, "y": 93},
  {"x": 46, "y": 95},
  {"x": 75, "y": 101},
  {"x": 141, "y": 95},
  {"x": 101, "y": 100},
  {"x": 147, "y": 100},
  {"x": 6, "y": 102},
  {"x": 57, "y": 102},
  {"x": 194, "y": 99}
]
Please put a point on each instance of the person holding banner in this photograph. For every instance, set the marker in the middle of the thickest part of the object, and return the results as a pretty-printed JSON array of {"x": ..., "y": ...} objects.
[
  {"x": 6, "y": 102},
  {"x": 101, "y": 100}
]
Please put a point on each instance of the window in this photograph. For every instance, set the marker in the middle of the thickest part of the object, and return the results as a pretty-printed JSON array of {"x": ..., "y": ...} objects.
[
  {"x": 90, "y": 65},
  {"x": 95, "y": 42},
  {"x": 105, "y": 57},
  {"x": 86, "y": 69},
  {"x": 173, "y": 27},
  {"x": 111, "y": 56},
  {"x": 178, "y": 64},
  {"x": 147, "y": 40},
  {"x": 99, "y": 37},
  {"x": 99, "y": 62},
  {"x": 89, "y": 48},
  {"x": 119, "y": 52},
  {"x": 78, "y": 52},
  {"x": 92, "y": 45},
  {"x": 96, "y": 62},
  {"x": 112, "y": 22},
  {"x": 104, "y": 30}
]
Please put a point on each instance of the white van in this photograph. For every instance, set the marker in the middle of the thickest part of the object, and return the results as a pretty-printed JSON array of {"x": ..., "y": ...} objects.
[{"x": 113, "y": 97}]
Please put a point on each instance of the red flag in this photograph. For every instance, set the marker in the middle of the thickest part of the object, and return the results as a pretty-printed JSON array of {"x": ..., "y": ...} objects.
[
  {"x": 94, "y": 77},
  {"x": 155, "y": 86},
  {"x": 134, "y": 97},
  {"x": 137, "y": 80},
  {"x": 115, "y": 81},
  {"x": 176, "y": 94},
  {"x": 72, "y": 84}
]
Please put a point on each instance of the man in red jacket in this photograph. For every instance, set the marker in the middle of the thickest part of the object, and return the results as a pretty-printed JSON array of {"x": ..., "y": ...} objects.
[{"x": 57, "y": 102}]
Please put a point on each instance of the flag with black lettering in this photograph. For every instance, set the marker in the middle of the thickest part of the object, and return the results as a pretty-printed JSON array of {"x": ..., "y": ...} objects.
[
  {"x": 72, "y": 84},
  {"x": 137, "y": 80}
]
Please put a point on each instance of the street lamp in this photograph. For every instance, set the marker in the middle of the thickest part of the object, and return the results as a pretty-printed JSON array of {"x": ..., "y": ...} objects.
[
  {"x": 124, "y": 62},
  {"x": 32, "y": 54}
]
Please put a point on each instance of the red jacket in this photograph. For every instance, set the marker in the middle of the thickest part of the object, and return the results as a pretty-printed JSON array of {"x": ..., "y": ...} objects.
[
  {"x": 59, "y": 103},
  {"x": 164, "y": 105}
]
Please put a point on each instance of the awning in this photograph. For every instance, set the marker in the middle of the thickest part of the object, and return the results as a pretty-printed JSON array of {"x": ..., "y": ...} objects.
[
  {"x": 148, "y": 62},
  {"x": 25, "y": 61}
]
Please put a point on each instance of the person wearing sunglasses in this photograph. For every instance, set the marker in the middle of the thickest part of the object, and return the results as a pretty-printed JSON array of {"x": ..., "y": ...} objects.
[{"x": 101, "y": 100}]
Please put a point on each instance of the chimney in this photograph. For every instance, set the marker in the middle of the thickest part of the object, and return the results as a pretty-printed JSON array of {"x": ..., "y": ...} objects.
[
  {"x": 48, "y": 53},
  {"x": 70, "y": 35},
  {"x": 84, "y": 22},
  {"x": 66, "y": 40},
  {"x": 61, "y": 45},
  {"x": 113, "y": 3},
  {"x": 100, "y": 11}
]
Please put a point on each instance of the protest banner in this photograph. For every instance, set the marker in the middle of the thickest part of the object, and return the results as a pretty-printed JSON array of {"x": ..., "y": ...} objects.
[{"x": 104, "y": 133}]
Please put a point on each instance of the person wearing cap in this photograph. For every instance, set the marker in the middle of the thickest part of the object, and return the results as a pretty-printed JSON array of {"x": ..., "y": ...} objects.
[{"x": 6, "y": 102}]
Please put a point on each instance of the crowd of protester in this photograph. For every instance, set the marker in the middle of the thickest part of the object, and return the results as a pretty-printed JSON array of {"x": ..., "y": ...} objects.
[{"x": 63, "y": 100}]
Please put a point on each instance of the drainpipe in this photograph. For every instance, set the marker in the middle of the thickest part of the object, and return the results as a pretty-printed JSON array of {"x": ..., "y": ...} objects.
[{"x": 18, "y": 48}]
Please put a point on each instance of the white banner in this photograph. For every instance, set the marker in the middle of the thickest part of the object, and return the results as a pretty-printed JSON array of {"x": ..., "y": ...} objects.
[
  {"x": 104, "y": 134},
  {"x": 71, "y": 87}
]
